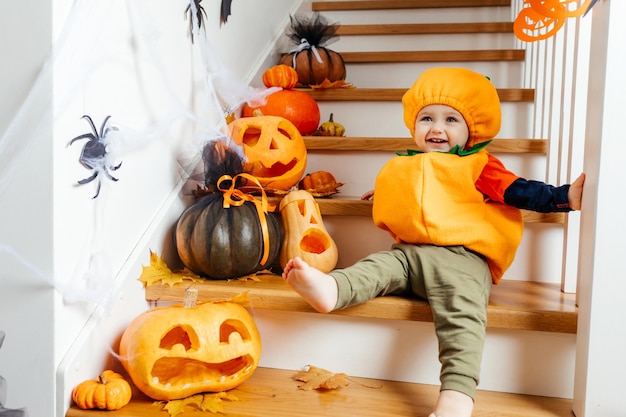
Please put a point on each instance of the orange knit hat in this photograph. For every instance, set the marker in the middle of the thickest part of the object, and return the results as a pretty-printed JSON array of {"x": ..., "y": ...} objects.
[{"x": 469, "y": 92}]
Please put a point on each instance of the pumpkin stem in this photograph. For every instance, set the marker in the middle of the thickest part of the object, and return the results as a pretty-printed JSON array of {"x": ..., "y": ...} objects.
[
  {"x": 331, "y": 118},
  {"x": 191, "y": 296},
  {"x": 257, "y": 113},
  {"x": 103, "y": 379}
]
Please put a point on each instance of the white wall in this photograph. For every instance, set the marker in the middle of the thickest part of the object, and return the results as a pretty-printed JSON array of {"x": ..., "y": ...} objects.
[{"x": 70, "y": 262}]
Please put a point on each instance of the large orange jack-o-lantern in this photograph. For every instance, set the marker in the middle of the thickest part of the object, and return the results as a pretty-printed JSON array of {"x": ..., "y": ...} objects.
[
  {"x": 275, "y": 151},
  {"x": 177, "y": 351},
  {"x": 305, "y": 234}
]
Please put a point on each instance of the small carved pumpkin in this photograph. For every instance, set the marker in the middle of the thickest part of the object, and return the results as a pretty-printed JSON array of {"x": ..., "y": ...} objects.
[
  {"x": 109, "y": 392},
  {"x": 282, "y": 76},
  {"x": 305, "y": 234},
  {"x": 296, "y": 106},
  {"x": 275, "y": 151},
  {"x": 174, "y": 352}
]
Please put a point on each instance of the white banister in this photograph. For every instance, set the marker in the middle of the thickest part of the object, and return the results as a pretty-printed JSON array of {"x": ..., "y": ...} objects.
[{"x": 557, "y": 68}]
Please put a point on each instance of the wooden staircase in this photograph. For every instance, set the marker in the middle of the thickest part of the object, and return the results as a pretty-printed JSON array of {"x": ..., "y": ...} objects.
[{"x": 515, "y": 305}]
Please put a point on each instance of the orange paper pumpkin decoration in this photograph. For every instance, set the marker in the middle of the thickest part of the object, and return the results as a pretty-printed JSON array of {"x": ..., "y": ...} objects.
[
  {"x": 541, "y": 19},
  {"x": 296, "y": 106},
  {"x": 174, "y": 352},
  {"x": 282, "y": 76},
  {"x": 305, "y": 234},
  {"x": 275, "y": 151}
]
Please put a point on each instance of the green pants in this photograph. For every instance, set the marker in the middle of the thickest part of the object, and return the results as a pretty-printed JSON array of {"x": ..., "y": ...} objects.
[{"x": 456, "y": 282}]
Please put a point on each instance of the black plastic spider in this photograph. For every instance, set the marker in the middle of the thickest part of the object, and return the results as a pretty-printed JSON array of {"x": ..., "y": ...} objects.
[{"x": 94, "y": 153}]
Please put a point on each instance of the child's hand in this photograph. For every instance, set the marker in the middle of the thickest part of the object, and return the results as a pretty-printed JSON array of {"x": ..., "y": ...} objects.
[
  {"x": 368, "y": 195},
  {"x": 575, "y": 193}
]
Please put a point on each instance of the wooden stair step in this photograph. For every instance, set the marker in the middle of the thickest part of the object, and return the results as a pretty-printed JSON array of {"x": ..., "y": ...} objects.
[
  {"x": 339, "y": 205},
  {"x": 343, "y": 143},
  {"x": 274, "y": 393},
  {"x": 519, "y": 305},
  {"x": 490, "y": 55},
  {"x": 526, "y": 95},
  {"x": 327, "y": 6},
  {"x": 425, "y": 28}
]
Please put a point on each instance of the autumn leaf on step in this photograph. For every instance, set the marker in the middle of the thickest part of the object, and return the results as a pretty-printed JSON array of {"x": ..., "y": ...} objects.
[
  {"x": 318, "y": 378},
  {"x": 335, "y": 84},
  {"x": 158, "y": 271},
  {"x": 176, "y": 407},
  {"x": 255, "y": 276},
  {"x": 204, "y": 402}
]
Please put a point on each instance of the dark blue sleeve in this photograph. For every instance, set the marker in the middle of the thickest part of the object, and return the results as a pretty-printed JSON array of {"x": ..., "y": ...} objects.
[{"x": 537, "y": 196}]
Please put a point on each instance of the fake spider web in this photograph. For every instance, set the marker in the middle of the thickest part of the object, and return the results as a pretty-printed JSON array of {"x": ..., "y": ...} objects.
[{"x": 86, "y": 48}]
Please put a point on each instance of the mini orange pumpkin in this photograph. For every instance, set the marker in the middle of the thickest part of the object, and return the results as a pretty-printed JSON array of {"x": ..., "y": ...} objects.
[
  {"x": 174, "y": 352},
  {"x": 280, "y": 75},
  {"x": 319, "y": 184},
  {"x": 109, "y": 392},
  {"x": 305, "y": 234},
  {"x": 296, "y": 106},
  {"x": 275, "y": 151}
]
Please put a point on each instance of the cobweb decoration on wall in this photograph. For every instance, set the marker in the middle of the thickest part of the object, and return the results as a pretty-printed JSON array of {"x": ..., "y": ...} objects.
[{"x": 81, "y": 50}]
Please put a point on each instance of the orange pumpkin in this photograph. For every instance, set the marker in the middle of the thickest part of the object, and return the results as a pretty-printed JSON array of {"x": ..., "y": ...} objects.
[
  {"x": 174, "y": 352},
  {"x": 319, "y": 183},
  {"x": 275, "y": 151},
  {"x": 280, "y": 76},
  {"x": 296, "y": 106},
  {"x": 109, "y": 392}
]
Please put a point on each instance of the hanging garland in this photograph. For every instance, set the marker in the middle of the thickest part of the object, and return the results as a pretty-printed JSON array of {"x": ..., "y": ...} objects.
[{"x": 541, "y": 19}]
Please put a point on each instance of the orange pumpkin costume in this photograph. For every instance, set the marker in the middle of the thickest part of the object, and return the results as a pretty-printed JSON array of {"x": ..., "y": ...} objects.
[{"x": 456, "y": 220}]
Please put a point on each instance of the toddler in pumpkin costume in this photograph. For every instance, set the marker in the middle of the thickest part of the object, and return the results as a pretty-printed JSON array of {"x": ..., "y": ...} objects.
[{"x": 454, "y": 211}]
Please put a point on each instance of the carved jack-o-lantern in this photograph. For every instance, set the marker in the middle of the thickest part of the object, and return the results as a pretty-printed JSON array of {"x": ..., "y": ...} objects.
[
  {"x": 177, "y": 351},
  {"x": 274, "y": 149},
  {"x": 305, "y": 234}
]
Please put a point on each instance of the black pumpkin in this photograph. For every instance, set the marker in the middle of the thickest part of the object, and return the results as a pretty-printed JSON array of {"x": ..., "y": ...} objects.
[
  {"x": 311, "y": 59},
  {"x": 312, "y": 71},
  {"x": 223, "y": 243}
]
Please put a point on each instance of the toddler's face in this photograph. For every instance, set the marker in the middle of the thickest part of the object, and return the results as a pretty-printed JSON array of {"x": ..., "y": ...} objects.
[{"x": 439, "y": 128}]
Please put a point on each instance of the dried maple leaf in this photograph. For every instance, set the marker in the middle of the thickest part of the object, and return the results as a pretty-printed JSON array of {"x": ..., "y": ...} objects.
[
  {"x": 158, "y": 271},
  {"x": 204, "y": 402},
  {"x": 254, "y": 276},
  {"x": 335, "y": 84},
  {"x": 318, "y": 378}
]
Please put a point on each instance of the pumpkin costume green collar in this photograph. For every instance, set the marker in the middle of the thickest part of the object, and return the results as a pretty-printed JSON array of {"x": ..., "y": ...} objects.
[
  {"x": 457, "y": 150},
  {"x": 470, "y": 93}
]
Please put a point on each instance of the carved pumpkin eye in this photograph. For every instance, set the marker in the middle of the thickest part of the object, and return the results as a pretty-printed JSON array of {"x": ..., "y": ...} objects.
[
  {"x": 179, "y": 335},
  {"x": 230, "y": 327}
]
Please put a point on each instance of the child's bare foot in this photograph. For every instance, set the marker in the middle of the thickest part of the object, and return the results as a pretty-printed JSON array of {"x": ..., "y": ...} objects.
[
  {"x": 316, "y": 287},
  {"x": 453, "y": 404}
]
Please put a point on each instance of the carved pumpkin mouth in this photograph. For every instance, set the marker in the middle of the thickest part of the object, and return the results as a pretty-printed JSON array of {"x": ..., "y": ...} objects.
[
  {"x": 184, "y": 372},
  {"x": 314, "y": 241},
  {"x": 277, "y": 169}
]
